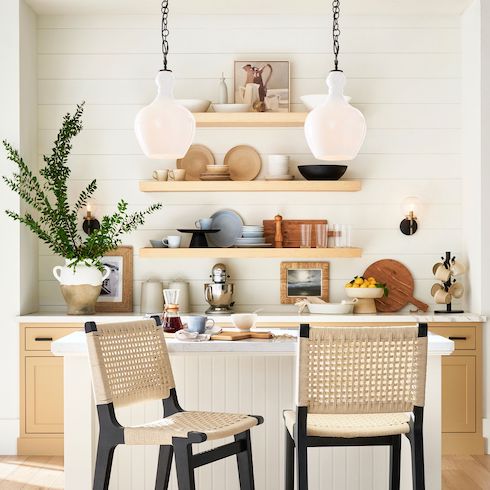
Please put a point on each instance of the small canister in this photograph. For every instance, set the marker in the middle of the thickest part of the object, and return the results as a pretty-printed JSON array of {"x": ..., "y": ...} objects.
[
  {"x": 184, "y": 296},
  {"x": 152, "y": 296}
]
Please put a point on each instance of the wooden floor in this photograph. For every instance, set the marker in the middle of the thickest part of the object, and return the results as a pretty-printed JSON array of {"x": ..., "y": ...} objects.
[{"x": 46, "y": 472}]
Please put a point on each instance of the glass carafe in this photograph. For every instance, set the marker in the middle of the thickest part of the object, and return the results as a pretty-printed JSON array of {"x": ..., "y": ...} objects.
[{"x": 171, "y": 316}]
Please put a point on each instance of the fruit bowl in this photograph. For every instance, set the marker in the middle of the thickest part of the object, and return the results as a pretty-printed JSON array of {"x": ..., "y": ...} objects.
[{"x": 365, "y": 299}]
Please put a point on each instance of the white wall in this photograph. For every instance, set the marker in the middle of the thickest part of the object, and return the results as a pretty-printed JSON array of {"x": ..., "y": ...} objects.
[
  {"x": 18, "y": 288},
  {"x": 403, "y": 72}
]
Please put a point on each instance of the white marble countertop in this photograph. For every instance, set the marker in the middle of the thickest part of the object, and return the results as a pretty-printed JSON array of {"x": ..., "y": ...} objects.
[
  {"x": 279, "y": 317},
  {"x": 75, "y": 344}
]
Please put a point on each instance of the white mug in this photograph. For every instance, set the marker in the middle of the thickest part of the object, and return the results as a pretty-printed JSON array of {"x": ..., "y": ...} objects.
[
  {"x": 278, "y": 165},
  {"x": 160, "y": 174},
  {"x": 457, "y": 290},
  {"x": 172, "y": 241},
  {"x": 442, "y": 273},
  {"x": 204, "y": 223},
  {"x": 457, "y": 268},
  {"x": 442, "y": 297},
  {"x": 176, "y": 174}
]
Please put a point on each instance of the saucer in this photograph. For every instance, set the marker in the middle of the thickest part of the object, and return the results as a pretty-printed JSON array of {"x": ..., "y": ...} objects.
[{"x": 279, "y": 177}]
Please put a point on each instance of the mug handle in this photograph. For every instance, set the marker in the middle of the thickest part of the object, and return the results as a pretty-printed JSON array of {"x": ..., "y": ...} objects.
[
  {"x": 171, "y": 175},
  {"x": 211, "y": 325},
  {"x": 155, "y": 175},
  {"x": 197, "y": 224},
  {"x": 57, "y": 269},
  {"x": 165, "y": 241},
  {"x": 106, "y": 274}
]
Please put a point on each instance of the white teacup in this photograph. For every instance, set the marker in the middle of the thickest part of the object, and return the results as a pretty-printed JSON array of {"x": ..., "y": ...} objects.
[
  {"x": 176, "y": 174},
  {"x": 204, "y": 223},
  {"x": 244, "y": 321},
  {"x": 160, "y": 174},
  {"x": 172, "y": 241},
  {"x": 436, "y": 287},
  {"x": 278, "y": 165}
]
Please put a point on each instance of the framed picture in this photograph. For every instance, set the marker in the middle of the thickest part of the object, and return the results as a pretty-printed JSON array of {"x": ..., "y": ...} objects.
[
  {"x": 301, "y": 279},
  {"x": 117, "y": 290},
  {"x": 264, "y": 85}
]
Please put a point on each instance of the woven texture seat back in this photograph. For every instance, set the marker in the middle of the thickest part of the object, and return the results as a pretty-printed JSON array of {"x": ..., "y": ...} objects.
[
  {"x": 362, "y": 369},
  {"x": 129, "y": 363}
]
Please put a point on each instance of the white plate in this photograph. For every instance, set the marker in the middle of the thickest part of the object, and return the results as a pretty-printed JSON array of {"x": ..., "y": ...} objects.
[
  {"x": 259, "y": 234},
  {"x": 279, "y": 177},
  {"x": 253, "y": 245},
  {"x": 230, "y": 225}
]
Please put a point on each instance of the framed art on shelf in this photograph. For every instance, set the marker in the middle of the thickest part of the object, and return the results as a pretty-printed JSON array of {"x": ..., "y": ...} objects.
[
  {"x": 263, "y": 85},
  {"x": 116, "y": 295},
  {"x": 302, "y": 279}
]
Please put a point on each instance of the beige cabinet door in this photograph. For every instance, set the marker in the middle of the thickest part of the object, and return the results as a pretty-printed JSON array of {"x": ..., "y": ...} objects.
[
  {"x": 458, "y": 394},
  {"x": 44, "y": 395}
]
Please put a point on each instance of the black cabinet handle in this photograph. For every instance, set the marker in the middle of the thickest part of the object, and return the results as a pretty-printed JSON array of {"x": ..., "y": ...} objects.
[
  {"x": 43, "y": 339},
  {"x": 457, "y": 338}
]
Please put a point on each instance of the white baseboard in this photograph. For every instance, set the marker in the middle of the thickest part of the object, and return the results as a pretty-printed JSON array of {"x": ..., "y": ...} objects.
[{"x": 9, "y": 428}]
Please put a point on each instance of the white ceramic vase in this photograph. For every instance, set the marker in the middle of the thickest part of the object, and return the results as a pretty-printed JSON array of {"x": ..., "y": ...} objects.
[{"x": 80, "y": 286}]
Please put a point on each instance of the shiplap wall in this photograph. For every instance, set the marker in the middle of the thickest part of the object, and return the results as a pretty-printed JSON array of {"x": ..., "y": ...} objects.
[{"x": 403, "y": 73}]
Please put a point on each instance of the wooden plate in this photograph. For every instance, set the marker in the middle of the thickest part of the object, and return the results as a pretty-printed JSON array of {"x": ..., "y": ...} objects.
[
  {"x": 195, "y": 161},
  {"x": 244, "y": 162}
]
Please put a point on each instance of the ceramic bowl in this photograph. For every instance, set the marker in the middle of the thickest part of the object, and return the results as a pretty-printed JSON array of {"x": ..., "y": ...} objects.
[
  {"x": 157, "y": 244},
  {"x": 322, "y": 172},
  {"x": 195, "y": 105},
  {"x": 313, "y": 100},
  {"x": 364, "y": 293},
  {"x": 231, "y": 107},
  {"x": 344, "y": 308},
  {"x": 244, "y": 321},
  {"x": 217, "y": 169}
]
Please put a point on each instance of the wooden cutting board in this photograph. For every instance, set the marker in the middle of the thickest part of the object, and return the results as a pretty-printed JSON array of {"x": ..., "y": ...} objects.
[
  {"x": 291, "y": 231},
  {"x": 400, "y": 285},
  {"x": 234, "y": 335}
]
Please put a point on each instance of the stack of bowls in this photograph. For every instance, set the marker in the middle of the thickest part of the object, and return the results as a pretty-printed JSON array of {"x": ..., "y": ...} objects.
[
  {"x": 252, "y": 236},
  {"x": 216, "y": 172}
]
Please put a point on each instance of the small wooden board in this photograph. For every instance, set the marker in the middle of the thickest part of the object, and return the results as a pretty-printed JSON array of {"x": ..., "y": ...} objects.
[
  {"x": 291, "y": 231},
  {"x": 399, "y": 282},
  {"x": 234, "y": 335}
]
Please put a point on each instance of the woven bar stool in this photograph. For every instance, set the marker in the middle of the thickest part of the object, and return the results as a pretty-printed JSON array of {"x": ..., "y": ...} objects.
[
  {"x": 129, "y": 364},
  {"x": 358, "y": 386}
]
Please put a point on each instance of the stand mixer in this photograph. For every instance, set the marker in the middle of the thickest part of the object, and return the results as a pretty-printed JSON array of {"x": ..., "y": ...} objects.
[{"x": 219, "y": 293}]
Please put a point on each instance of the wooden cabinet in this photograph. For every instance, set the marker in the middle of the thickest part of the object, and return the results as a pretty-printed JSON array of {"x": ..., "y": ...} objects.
[
  {"x": 462, "y": 389},
  {"x": 41, "y": 389}
]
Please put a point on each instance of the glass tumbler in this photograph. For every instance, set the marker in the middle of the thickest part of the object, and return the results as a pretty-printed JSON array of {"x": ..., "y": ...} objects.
[
  {"x": 321, "y": 236},
  {"x": 305, "y": 236},
  {"x": 345, "y": 234}
]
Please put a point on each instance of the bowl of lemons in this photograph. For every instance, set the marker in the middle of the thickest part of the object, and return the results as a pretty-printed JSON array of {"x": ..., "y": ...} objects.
[{"x": 366, "y": 290}]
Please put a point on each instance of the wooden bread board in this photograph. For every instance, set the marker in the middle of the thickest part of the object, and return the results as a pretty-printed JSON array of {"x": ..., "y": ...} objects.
[
  {"x": 291, "y": 231},
  {"x": 234, "y": 335}
]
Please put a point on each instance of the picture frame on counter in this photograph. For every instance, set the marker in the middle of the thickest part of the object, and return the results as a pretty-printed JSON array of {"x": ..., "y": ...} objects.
[
  {"x": 304, "y": 279},
  {"x": 117, "y": 290},
  {"x": 265, "y": 85}
]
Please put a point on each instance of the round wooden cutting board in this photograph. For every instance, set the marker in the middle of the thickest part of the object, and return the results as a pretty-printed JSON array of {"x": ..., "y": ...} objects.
[{"x": 399, "y": 282}]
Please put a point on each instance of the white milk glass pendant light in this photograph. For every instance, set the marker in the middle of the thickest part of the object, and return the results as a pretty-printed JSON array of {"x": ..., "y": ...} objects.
[
  {"x": 335, "y": 130},
  {"x": 165, "y": 129}
]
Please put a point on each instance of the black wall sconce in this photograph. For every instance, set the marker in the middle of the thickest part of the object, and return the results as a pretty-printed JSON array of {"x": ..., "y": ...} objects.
[
  {"x": 411, "y": 207},
  {"x": 90, "y": 224}
]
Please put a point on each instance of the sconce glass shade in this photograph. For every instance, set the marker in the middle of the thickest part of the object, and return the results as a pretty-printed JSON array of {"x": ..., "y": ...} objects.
[
  {"x": 335, "y": 130},
  {"x": 411, "y": 206},
  {"x": 164, "y": 128}
]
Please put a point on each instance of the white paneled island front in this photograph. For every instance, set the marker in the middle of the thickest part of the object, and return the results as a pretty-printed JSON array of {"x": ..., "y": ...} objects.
[{"x": 255, "y": 377}]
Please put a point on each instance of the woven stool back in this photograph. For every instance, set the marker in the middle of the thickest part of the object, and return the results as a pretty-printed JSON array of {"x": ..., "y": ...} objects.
[
  {"x": 362, "y": 369},
  {"x": 129, "y": 363}
]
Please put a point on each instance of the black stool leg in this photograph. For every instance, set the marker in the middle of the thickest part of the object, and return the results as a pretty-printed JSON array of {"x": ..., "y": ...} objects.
[
  {"x": 395, "y": 457},
  {"x": 103, "y": 465},
  {"x": 164, "y": 466},
  {"x": 244, "y": 462},
  {"x": 289, "y": 462},
  {"x": 183, "y": 464},
  {"x": 418, "y": 471}
]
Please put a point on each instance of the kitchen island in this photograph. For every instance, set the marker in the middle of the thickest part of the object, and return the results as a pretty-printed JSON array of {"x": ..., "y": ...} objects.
[{"x": 255, "y": 376}]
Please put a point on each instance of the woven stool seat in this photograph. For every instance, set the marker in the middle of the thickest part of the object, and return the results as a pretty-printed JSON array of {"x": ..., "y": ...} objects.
[
  {"x": 351, "y": 425},
  {"x": 214, "y": 424}
]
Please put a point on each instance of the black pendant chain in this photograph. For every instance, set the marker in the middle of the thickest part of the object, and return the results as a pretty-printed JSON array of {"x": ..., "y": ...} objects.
[
  {"x": 165, "y": 33},
  {"x": 336, "y": 32}
]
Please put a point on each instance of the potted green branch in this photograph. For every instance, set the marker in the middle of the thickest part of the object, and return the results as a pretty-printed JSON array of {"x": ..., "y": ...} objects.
[{"x": 56, "y": 222}]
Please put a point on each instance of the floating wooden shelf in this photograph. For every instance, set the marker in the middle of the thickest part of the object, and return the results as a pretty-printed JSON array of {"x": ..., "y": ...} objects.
[
  {"x": 250, "y": 119},
  {"x": 252, "y": 186},
  {"x": 250, "y": 253}
]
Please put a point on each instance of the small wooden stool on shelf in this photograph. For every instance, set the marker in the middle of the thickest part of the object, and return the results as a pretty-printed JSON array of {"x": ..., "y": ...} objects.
[
  {"x": 358, "y": 386},
  {"x": 130, "y": 364}
]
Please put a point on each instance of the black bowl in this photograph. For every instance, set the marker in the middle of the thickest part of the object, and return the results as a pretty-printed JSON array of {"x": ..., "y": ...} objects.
[{"x": 322, "y": 172}]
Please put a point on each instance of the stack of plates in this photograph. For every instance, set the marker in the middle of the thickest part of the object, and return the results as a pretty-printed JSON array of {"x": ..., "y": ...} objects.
[
  {"x": 216, "y": 172},
  {"x": 252, "y": 236}
]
